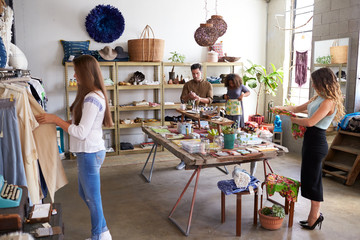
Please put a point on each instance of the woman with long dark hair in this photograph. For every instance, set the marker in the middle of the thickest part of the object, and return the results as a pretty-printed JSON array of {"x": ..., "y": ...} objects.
[
  {"x": 90, "y": 110},
  {"x": 322, "y": 109}
]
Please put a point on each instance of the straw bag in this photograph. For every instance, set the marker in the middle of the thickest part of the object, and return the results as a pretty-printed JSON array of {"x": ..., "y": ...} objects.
[
  {"x": 339, "y": 54},
  {"x": 146, "y": 49}
]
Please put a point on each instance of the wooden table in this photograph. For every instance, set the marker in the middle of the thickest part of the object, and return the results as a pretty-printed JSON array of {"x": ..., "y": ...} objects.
[
  {"x": 196, "y": 117},
  {"x": 197, "y": 162}
]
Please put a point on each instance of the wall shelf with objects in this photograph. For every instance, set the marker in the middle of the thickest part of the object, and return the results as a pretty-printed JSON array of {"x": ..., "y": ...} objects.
[
  {"x": 108, "y": 71},
  {"x": 143, "y": 104},
  {"x": 139, "y": 104}
]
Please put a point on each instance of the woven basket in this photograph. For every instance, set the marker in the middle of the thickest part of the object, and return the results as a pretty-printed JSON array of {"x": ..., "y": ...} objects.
[
  {"x": 339, "y": 54},
  {"x": 147, "y": 48}
]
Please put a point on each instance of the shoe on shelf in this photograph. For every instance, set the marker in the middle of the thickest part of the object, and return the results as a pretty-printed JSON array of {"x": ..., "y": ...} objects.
[
  {"x": 105, "y": 235},
  {"x": 180, "y": 166}
]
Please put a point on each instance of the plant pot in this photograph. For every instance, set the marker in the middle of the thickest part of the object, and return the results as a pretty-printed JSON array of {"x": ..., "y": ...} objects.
[
  {"x": 229, "y": 140},
  {"x": 269, "y": 222},
  {"x": 172, "y": 75}
]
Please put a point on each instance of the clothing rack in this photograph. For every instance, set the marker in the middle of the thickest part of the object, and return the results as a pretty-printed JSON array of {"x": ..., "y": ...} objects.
[{"x": 13, "y": 73}]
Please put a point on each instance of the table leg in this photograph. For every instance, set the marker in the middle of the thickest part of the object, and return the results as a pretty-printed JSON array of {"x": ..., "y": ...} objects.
[
  {"x": 182, "y": 118},
  {"x": 222, "y": 207},
  {"x": 291, "y": 214},
  {"x": 186, "y": 233},
  {"x": 148, "y": 179},
  {"x": 238, "y": 214},
  {"x": 225, "y": 170},
  {"x": 255, "y": 207}
]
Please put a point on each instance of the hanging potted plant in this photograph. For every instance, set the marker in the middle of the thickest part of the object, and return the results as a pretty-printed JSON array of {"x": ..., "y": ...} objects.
[
  {"x": 175, "y": 58},
  {"x": 258, "y": 79},
  {"x": 271, "y": 218}
]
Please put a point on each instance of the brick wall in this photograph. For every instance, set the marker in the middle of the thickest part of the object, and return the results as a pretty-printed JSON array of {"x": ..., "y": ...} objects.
[{"x": 339, "y": 19}]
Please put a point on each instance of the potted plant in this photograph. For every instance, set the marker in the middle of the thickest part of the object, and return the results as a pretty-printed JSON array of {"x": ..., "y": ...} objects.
[
  {"x": 229, "y": 136},
  {"x": 257, "y": 78},
  {"x": 271, "y": 218},
  {"x": 175, "y": 58}
]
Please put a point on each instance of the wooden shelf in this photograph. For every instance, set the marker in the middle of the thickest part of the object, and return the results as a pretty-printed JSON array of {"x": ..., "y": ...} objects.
[
  {"x": 136, "y": 150},
  {"x": 137, "y": 87},
  {"x": 175, "y": 106},
  {"x": 330, "y": 65},
  {"x": 159, "y": 92},
  {"x": 138, "y": 108},
  {"x": 138, "y": 64},
  {"x": 74, "y": 89},
  {"x": 137, "y": 125},
  {"x": 347, "y": 149},
  {"x": 223, "y": 64},
  {"x": 173, "y": 86}
]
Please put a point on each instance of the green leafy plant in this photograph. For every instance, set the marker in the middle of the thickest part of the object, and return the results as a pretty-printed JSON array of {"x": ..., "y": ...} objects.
[
  {"x": 228, "y": 129},
  {"x": 274, "y": 211},
  {"x": 256, "y": 75},
  {"x": 176, "y": 58},
  {"x": 323, "y": 60}
]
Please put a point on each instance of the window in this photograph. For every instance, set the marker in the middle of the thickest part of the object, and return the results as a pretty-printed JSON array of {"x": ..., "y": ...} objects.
[{"x": 301, "y": 15}]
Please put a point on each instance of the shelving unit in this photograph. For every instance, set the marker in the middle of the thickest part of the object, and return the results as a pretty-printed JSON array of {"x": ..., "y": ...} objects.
[
  {"x": 156, "y": 93},
  {"x": 343, "y": 158},
  {"x": 111, "y": 93},
  {"x": 120, "y": 71}
]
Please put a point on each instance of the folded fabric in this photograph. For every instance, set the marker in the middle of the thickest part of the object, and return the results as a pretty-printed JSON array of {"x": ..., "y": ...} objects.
[
  {"x": 285, "y": 186},
  {"x": 229, "y": 187},
  {"x": 297, "y": 131}
]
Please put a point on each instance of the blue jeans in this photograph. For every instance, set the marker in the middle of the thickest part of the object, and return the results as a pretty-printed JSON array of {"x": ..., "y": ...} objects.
[{"x": 89, "y": 165}]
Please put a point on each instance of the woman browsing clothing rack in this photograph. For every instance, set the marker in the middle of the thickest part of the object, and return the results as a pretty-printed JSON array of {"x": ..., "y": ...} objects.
[{"x": 90, "y": 110}]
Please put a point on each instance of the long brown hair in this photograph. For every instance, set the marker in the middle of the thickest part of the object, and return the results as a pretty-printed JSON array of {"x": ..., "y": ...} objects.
[
  {"x": 327, "y": 86},
  {"x": 89, "y": 79},
  {"x": 235, "y": 78}
]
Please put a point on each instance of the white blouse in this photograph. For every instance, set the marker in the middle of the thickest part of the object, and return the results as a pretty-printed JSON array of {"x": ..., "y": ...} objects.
[{"x": 88, "y": 135}]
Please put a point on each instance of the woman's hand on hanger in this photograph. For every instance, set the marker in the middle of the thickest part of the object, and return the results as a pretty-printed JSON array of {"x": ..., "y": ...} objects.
[
  {"x": 46, "y": 118},
  {"x": 52, "y": 118}
]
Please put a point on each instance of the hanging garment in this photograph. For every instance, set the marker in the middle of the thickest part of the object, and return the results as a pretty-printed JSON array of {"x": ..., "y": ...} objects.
[
  {"x": 26, "y": 124},
  {"x": 301, "y": 68},
  {"x": 48, "y": 151},
  {"x": 38, "y": 91},
  {"x": 11, "y": 161}
]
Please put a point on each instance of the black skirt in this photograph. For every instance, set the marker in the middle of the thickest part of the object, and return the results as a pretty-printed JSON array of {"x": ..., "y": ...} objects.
[{"x": 314, "y": 150}]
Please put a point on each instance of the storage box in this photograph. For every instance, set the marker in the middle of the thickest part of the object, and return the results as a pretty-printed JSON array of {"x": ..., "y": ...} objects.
[{"x": 191, "y": 146}]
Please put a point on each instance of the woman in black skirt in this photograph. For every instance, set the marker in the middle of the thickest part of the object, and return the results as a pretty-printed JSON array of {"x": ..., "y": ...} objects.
[{"x": 322, "y": 109}]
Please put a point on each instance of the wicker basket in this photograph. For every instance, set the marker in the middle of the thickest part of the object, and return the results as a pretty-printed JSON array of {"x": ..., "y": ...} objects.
[
  {"x": 146, "y": 49},
  {"x": 339, "y": 54}
]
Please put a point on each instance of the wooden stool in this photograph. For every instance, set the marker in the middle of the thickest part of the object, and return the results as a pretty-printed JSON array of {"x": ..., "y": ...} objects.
[
  {"x": 277, "y": 138},
  {"x": 290, "y": 200},
  {"x": 238, "y": 209}
]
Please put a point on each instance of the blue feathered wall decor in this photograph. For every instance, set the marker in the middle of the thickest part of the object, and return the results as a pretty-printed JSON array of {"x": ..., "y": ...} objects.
[{"x": 105, "y": 23}]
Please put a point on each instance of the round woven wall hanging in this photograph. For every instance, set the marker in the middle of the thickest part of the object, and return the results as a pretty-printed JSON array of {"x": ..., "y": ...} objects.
[
  {"x": 218, "y": 23},
  {"x": 105, "y": 23},
  {"x": 206, "y": 35}
]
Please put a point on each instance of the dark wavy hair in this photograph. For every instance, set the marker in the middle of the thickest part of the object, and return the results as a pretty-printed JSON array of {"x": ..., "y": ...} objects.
[
  {"x": 90, "y": 79},
  {"x": 326, "y": 85},
  {"x": 235, "y": 78}
]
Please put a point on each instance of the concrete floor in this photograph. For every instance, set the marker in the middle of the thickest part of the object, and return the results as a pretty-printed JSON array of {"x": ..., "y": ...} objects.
[{"x": 135, "y": 209}]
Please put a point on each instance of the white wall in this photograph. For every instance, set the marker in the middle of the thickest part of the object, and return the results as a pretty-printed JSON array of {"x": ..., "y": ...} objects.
[{"x": 40, "y": 24}]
